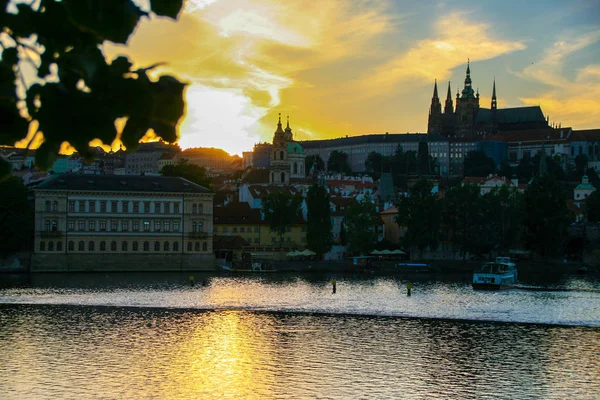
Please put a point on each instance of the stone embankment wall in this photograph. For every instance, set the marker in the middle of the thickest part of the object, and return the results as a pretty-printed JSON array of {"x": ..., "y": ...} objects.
[{"x": 121, "y": 262}]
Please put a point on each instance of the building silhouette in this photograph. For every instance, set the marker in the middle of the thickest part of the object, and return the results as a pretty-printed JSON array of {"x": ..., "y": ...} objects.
[{"x": 467, "y": 119}]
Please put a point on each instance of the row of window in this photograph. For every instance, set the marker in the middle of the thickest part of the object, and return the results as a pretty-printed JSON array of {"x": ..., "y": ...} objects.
[
  {"x": 102, "y": 225},
  {"x": 113, "y": 206},
  {"x": 256, "y": 229},
  {"x": 91, "y": 246}
]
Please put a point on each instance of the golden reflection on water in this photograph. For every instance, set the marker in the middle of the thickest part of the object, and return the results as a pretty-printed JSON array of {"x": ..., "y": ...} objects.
[{"x": 223, "y": 352}]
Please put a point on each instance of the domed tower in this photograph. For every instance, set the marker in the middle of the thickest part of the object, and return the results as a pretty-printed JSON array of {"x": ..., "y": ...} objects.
[
  {"x": 279, "y": 172},
  {"x": 295, "y": 154}
]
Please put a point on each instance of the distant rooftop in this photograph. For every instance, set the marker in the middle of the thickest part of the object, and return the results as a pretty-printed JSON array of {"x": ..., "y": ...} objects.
[
  {"x": 374, "y": 138},
  {"x": 114, "y": 183}
]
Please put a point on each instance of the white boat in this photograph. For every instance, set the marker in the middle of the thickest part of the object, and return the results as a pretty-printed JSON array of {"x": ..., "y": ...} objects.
[{"x": 499, "y": 274}]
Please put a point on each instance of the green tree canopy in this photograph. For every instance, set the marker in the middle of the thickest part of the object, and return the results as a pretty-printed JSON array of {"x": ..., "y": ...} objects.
[
  {"x": 592, "y": 204},
  {"x": 546, "y": 215},
  {"x": 191, "y": 172},
  {"x": 318, "y": 226},
  {"x": 281, "y": 210},
  {"x": 16, "y": 217},
  {"x": 463, "y": 216},
  {"x": 315, "y": 160},
  {"x": 77, "y": 95},
  {"x": 376, "y": 163},
  {"x": 338, "y": 162},
  {"x": 420, "y": 214},
  {"x": 526, "y": 169},
  {"x": 502, "y": 220},
  {"x": 505, "y": 170},
  {"x": 361, "y": 221},
  {"x": 478, "y": 164}
]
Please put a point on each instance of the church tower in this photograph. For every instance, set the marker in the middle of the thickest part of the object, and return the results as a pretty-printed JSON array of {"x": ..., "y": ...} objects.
[
  {"x": 279, "y": 172},
  {"x": 494, "y": 101},
  {"x": 467, "y": 106},
  {"x": 434, "y": 124},
  {"x": 449, "y": 106}
]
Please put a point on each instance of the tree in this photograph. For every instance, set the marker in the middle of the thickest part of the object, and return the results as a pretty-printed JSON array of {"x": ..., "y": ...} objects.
[
  {"x": 376, "y": 163},
  {"x": 463, "y": 216},
  {"x": 546, "y": 215},
  {"x": 503, "y": 218},
  {"x": 16, "y": 217},
  {"x": 338, "y": 162},
  {"x": 362, "y": 219},
  {"x": 343, "y": 234},
  {"x": 77, "y": 95},
  {"x": 281, "y": 210},
  {"x": 315, "y": 160},
  {"x": 526, "y": 169},
  {"x": 581, "y": 162},
  {"x": 592, "y": 205},
  {"x": 318, "y": 226},
  {"x": 478, "y": 164},
  {"x": 420, "y": 214},
  {"x": 505, "y": 170},
  {"x": 191, "y": 172}
]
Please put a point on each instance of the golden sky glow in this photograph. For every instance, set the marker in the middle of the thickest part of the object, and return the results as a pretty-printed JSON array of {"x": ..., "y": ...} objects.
[{"x": 350, "y": 67}]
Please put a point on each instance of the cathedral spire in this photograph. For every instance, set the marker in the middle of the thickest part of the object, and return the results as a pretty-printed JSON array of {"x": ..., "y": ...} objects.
[
  {"x": 449, "y": 107},
  {"x": 435, "y": 92},
  {"x": 494, "y": 101},
  {"x": 468, "y": 92}
]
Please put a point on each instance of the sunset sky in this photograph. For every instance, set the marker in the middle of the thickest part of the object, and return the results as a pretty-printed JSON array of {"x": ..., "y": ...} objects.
[{"x": 345, "y": 67}]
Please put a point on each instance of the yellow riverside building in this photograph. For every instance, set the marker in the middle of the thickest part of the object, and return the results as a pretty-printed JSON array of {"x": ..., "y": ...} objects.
[
  {"x": 238, "y": 219},
  {"x": 122, "y": 223}
]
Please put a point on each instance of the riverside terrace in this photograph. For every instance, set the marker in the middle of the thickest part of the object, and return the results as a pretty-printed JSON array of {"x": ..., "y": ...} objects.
[{"x": 122, "y": 223}]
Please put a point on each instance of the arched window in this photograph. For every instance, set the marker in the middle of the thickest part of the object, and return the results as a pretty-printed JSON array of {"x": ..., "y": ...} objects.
[
  {"x": 166, "y": 246},
  {"x": 80, "y": 246},
  {"x": 47, "y": 225},
  {"x": 283, "y": 177},
  {"x": 189, "y": 246},
  {"x": 58, "y": 246},
  {"x": 134, "y": 246},
  {"x": 71, "y": 246},
  {"x": 124, "y": 246},
  {"x": 91, "y": 246},
  {"x": 281, "y": 155},
  {"x": 175, "y": 246},
  {"x": 156, "y": 246},
  {"x": 200, "y": 227},
  {"x": 204, "y": 246},
  {"x": 47, "y": 205},
  {"x": 295, "y": 168},
  {"x": 193, "y": 227},
  {"x": 42, "y": 246},
  {"x": 197, "y": 246},
  {"x": 274, "y": 155},
  {"x": 146, "y": 246},
  {"x": 200, "y": 208},
  {"x": 113, "y": 246},
  {"x": 103, "y": 246},
  {"x": 54, "y": 205},
  {"x": 194, "y": 209},
  {"x": 50, "y": 246}
]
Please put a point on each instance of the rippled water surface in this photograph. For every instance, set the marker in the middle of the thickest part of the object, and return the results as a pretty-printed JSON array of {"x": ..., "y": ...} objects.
[{"x": 132, "y": 337}]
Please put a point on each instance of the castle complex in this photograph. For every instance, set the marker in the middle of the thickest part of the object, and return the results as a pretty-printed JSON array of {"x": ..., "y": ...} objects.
[{"x": 470, "y": 121}]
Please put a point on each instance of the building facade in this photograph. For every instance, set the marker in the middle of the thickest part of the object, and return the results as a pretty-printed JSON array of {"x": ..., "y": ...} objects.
[
  {"x": 122, "y": 223},
  {"x": 358, "y": 147},
  {"x": 467, "y": 119}
]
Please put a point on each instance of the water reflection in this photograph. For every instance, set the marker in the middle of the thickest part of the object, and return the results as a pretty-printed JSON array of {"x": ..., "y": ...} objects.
[{"x": 107, "y": 352}]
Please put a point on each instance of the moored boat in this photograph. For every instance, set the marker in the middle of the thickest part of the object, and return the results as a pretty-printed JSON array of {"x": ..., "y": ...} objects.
[{"x": 499, "y": 274}]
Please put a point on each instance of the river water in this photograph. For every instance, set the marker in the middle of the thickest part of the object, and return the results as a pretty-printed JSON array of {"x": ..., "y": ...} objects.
[{"x": 154, "y": 336}]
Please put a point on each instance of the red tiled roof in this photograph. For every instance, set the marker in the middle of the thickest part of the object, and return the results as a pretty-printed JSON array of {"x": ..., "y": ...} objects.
[
  {"x": 260, "y": 191},
  {"x": 236, "y": 213}
]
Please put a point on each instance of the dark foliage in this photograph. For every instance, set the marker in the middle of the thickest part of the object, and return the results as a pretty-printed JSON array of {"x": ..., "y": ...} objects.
[
  {"x": 318, "y": 226},
  {"x": 81, "y": 95}
]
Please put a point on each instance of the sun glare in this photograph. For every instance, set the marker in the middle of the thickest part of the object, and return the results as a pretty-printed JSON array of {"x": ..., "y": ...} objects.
[{"x": 222, "y": 118}]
